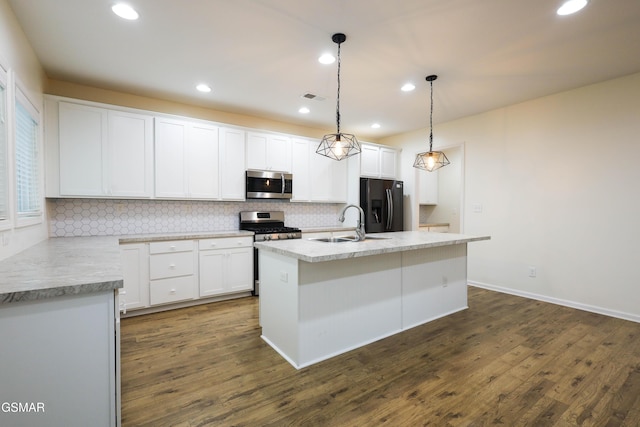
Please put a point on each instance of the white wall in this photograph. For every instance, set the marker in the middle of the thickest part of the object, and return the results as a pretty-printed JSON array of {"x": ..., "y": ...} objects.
[
  {"x": 557, "y": 180},
  {"x": 18, "y": 57}
]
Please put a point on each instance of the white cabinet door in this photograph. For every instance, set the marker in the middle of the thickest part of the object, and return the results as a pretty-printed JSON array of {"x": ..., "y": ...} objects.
[
  {"x": 370, "y": 161},
  {"x": 202, "y": 162},
  {"x": 135, "y": 271},
  {"x": 104, "y": 152},
  {"x": 321, "y": 177},
  {"x": 227, "y": 270},
  {"x": 388, "y": 163},
  {"x": 239, "y": 269},
  {"x": 82, "y": 136},
  {"x": 232, "y": 164},
  {"x": 317, "y": 178},
  {"x": 170, "y": 171},
  {"x": 428, "y": 187},
  {"x": 300, "y": 169},
  {"x": 130, "y": 154},
  {"x": 187, "y": 160},
  {"x": 378, "y": 161},
  {"x": 268, "y": 152},
  {"x": 211, "y": 272}
]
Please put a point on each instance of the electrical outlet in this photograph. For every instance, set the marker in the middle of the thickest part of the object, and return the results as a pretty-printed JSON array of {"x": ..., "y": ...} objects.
[
  {"x": 476, "y": 207},
  {"x": 445, "y": 281},
  {"x": 284, "y": 277},
  {"x": 533, "y": 271}
]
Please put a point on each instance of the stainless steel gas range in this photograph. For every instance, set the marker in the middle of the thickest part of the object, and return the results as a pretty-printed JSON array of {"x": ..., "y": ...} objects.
[{"x": 267, "y": 225}]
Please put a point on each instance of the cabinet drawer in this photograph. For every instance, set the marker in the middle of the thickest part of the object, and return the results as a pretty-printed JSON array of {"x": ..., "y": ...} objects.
[
  {"x": 225, "y": 243},
  {"x": 171, "y": 290},
  {"x": 162, "y": 266},
  {"x": 170, "y": 246}
]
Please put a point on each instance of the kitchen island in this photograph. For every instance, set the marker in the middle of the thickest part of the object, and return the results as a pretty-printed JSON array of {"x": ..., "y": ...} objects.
[
  {"x": 321, "y": 299},
  {"x": 59, "y": 326}
]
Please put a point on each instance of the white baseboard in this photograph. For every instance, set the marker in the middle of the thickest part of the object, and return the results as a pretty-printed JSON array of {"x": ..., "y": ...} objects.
[{"x": 566, "y": 303}]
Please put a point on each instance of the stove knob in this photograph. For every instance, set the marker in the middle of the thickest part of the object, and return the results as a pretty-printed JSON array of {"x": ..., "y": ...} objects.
[
  {"x": 267, "y": 237},
  {"x": 290, "y": 235}
]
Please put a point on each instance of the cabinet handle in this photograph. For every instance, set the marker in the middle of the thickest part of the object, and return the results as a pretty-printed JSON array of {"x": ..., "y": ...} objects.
[
  {"x": 172, "y": 247},
  {"x": 172, "y": 266},
  {"x": 172, "y": 291},
  {"x": 213, "y": 245}
]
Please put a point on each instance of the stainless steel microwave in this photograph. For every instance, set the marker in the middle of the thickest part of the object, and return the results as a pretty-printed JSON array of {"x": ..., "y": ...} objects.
[{"x": 269, "y": 185}]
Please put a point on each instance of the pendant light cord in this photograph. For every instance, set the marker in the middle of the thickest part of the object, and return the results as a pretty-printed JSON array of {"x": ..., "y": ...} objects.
[
  {"x": 338, "y": 97},
  {"x": 431, "y": 119}
]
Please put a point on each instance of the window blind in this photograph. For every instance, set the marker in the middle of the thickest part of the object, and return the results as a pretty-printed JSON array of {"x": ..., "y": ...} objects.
[
  {"x": 4, "y": 177},
  {"x": 27, "y": 179}
]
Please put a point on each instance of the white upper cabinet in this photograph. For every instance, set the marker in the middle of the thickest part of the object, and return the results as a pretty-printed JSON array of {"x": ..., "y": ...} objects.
[
  {"x": 232, "y": 166},
  {"x": 377, "y": 161},
  {"x": 102, "y": 152},
  {"x": 317, "y": 178},
  {"x": 186, "y": 159},
  {"x": 268, "y": 152},
  {"x": 300, "y": 170},
  {"x": 427, "y": 187}
]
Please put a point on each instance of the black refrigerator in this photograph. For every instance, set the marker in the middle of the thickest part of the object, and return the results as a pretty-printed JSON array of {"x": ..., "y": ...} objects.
[{"x": 381, "y": 200}]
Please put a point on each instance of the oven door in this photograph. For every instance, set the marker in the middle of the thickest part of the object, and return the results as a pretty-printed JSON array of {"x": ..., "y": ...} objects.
[{"x": 269, "y": 185}]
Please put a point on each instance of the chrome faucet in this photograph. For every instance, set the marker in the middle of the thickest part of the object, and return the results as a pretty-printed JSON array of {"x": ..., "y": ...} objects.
[{"x": 360, "y": 232}]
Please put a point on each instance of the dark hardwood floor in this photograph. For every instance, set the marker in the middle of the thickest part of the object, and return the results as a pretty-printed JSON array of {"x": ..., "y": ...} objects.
[{"x": 505, "y": 361}]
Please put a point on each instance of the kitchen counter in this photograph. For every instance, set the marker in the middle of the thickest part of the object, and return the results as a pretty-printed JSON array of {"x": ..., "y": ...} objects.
[
  {"x": 318, "y": 299},
  {"x": 327, "y": 229},
  {"x": 159, "y": 237},
  {"x": 76, "y": 265},
  {"x": 61, "y": 266},
  {"x": 310, "y": 250}
]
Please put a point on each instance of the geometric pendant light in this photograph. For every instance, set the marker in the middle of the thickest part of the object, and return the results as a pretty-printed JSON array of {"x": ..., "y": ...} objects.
[
  {"x": 431, "y": 160},
  {"x": 338, "y": 145}
]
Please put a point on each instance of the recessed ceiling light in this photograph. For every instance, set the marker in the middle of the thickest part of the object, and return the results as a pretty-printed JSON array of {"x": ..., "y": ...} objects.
[
  {"x": 408, "y": 87},
  {"x": 203, "y": 88},
  {"x": 304, "y": 110},
  {"x": 125, "y": 11},
  {"x": 327, "y": 58},
  {"x": 376, "y": 126},
  {"x": 571, "y": 6}
]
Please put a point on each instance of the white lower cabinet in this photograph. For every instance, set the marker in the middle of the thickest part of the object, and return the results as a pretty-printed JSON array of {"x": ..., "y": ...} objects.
[
  {"x": 226, "y": 265},
  {"x": 135, "y": 271},
  {"x": 178, "y": 271},
  {"x": 172, "y": 271}
]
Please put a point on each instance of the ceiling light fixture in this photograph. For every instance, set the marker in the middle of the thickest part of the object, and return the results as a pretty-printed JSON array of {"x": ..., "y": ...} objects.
[
  {"x": 431, "y": 160},
  {"x": 375, "y": 126},
  {"x": 327, "y": 59},
  {"x": 125, "y": 11},
  {"x": 338, "y": 145},
  {"x": 571, "y": 6},
  {"x": 203, "y": 88},
  {"x": 408, "y": 87},
  {"x": 304, "y": 110}
]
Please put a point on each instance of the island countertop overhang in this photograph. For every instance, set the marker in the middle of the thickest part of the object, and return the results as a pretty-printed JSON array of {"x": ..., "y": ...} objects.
[{"x": 314, "y": 251}]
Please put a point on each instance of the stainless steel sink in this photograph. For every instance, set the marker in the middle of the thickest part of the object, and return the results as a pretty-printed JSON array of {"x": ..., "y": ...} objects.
[{"x": 343, "y": 239}]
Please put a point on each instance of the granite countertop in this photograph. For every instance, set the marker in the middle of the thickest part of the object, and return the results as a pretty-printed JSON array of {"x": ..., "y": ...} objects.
[
  {"x": 161, "y": 237},
  {"x": 76, "y": 265},
  {"x": 61, "y": 266},
  {"x": 314, "y": 251}
]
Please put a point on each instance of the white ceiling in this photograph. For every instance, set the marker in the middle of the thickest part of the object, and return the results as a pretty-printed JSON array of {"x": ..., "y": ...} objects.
[{"x": 260, "y": 56}]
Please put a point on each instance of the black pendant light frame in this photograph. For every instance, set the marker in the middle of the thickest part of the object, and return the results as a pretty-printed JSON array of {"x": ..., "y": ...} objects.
[
  {"x": 338, "y": 145},
  {"x": 431, "y": 160}
]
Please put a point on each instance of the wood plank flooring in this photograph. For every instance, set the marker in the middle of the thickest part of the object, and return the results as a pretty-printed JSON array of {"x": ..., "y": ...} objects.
[{"x": 506, "y": 361}]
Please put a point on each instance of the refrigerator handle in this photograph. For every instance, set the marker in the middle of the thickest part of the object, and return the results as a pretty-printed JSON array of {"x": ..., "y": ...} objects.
[{"x": 389, "y": 209}]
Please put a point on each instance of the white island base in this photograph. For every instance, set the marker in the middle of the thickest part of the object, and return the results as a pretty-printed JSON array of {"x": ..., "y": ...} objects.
[{"x": 312, "y": 311}]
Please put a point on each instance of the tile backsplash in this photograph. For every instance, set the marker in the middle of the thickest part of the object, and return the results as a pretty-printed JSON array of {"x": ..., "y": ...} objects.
[{"x": 106, "y": 217}]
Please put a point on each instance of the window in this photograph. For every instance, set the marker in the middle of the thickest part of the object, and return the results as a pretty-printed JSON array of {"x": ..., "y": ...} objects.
[
  {"x": 4, "y": 132},
  {"x": 28, "y": 201}
]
